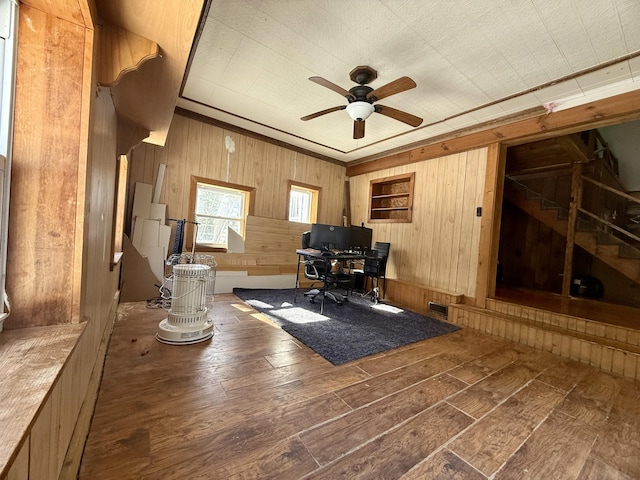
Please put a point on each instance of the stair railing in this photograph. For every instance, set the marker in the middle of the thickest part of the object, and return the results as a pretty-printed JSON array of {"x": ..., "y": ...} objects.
[
  {"x": 581, "y": 209},
  {"x": 604, "y": 221},
  {"x": 531, "y": 193}
]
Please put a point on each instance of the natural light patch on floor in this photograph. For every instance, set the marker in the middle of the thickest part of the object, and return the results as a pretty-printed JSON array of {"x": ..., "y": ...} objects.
[
  {"x": 264, "y": 318},
  {"x": 242, "y": 307},
  {"x": 298, "y": 315},
  {"x": 258, "y": 304},
  {"x": 387, "y": 308}
]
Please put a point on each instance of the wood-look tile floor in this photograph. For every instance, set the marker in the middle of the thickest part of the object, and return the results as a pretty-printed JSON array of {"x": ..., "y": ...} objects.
[{"x": 255, "y": 403}]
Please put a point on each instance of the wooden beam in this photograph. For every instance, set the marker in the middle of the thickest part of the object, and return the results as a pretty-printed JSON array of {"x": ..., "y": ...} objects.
[
  {"x": 576, "y": 199},
  {"x": 532, "y": 174},
  {"x": 575, "y": 148},
  {"x": 608, "y": 111},
  {"x": 391, "y": 161}
]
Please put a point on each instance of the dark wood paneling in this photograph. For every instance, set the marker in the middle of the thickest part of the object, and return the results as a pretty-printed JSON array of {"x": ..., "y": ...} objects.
[{"x": 531, "y": 254}]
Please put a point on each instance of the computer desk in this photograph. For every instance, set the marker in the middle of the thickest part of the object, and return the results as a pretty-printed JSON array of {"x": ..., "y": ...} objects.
[{"x": 328, "y": 259}]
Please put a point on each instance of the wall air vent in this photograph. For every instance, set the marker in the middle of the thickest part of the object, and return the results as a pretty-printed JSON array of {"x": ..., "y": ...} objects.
[{"x": 437, "y": 307}]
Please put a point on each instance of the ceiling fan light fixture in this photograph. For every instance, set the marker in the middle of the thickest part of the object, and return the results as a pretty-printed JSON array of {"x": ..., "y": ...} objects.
[{"x": 360, "y": 111}]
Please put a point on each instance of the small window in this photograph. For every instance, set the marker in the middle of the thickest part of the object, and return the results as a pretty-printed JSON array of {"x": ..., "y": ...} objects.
[
  {"x": 303, "y": 203},
  {"x": 219, "y": 206}
]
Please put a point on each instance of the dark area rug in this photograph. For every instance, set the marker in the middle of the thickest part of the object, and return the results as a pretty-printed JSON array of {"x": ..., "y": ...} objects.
[{"x": 346, "y": 332}]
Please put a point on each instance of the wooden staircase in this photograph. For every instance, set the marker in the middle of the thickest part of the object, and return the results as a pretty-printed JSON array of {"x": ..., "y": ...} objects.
[
  {"x": 594, "y": 332},
  {"x": 610, "y": 249}
]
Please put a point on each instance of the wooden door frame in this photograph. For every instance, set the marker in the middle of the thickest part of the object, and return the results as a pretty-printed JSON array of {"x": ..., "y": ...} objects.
[{"x": 490, "y": 224}]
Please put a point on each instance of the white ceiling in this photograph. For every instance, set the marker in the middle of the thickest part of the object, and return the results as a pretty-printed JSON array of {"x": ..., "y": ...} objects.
[{"x": 472, "y": 61}]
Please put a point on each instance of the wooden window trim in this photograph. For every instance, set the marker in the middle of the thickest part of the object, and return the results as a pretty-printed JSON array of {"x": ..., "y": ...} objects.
[
  {"x": 315, "y": 207},
  {"x": 249, "y": 208}
]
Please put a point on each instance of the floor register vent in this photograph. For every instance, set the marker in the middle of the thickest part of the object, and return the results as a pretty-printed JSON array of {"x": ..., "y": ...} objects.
[{"x": 437, "y": 307}]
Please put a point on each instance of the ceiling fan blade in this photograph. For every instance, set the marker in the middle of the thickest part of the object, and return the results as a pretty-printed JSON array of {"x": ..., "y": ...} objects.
[
  {"x": 391, "y": 88},
  {"x": 323, "y": 112},
  {"x": 331, "y": 86},
  {"x": 399, "y": 115},
  {"x": 358, "y": 129}
]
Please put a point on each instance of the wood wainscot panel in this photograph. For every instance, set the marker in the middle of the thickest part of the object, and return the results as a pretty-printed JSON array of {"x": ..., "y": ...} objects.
[
  {"x": 416, "y": 297},
  {"x": 270, "y": 248},
  {"x": 26, "y": 386}
]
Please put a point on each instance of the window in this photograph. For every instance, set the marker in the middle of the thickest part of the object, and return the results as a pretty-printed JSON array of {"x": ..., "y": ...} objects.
[
  {"x": 219, "y": 206},
  {"x": 303, "y": 203},
  {"x": 8, "y": 55}
]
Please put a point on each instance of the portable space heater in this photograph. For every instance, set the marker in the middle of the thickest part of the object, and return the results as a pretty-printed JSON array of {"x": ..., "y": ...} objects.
[{"x": 188, "y": 322}]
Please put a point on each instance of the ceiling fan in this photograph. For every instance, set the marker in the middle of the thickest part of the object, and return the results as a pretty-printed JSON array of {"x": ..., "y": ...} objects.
[{"x": 362, "y": 97}]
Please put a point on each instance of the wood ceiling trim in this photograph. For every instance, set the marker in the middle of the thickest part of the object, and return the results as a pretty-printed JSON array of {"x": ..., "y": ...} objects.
[{"x": 609, "y": 111}]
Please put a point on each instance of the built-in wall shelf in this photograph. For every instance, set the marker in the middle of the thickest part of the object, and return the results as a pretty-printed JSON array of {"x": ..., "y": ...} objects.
[{"x": 391, "y": 199}]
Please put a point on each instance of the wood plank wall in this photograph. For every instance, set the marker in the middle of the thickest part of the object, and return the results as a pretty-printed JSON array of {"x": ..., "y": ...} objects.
[
  {"x": 270, "y": 248},
  {"x": 63, "y": 189},
  {"x": 99, "y": 282},
  {"x": 46, "y": 190},
  {"x": 439, "y": 248},
  {"x": 197, "y": 148},
  {"x": 63, "y": 179}
]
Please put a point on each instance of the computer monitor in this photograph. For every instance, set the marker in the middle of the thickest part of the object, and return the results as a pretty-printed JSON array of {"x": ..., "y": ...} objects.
[
  {"x": 329, "y": 237},
  {"x": 360, "y": 238}
]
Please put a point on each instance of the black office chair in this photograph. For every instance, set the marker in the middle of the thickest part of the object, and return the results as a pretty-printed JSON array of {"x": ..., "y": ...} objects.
[
  {"x": 320, "y": 271},
  {"x": 375, "y": 268},
  {"x": 314, "y": 270}
]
